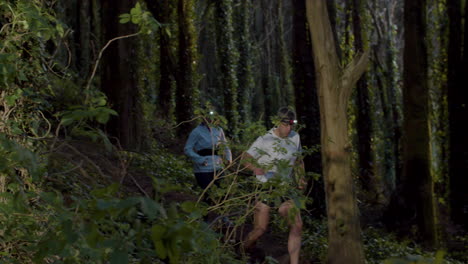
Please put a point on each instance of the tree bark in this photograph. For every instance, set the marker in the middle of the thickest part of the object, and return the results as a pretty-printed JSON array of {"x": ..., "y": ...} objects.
[
  {"x": 244, "y": 72},
  {"x": 416, "y": 185},
  {"x": 227, "y": 61},
  {"x": 164, "y": 11},
  {"x": 186, "y": 93},
  {"x": 284, "y": 65},
  {"x": 364, "y": 122},
  {"x": 118, "y": 75},
  {"x": 335, "y": 86}
]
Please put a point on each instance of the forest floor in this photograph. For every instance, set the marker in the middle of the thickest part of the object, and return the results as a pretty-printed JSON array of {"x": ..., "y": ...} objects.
[{"x": 270, "y": 248}]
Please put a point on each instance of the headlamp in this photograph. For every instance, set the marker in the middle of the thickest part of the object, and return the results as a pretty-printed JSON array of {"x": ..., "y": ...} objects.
[{"x": 289, "y": 121}]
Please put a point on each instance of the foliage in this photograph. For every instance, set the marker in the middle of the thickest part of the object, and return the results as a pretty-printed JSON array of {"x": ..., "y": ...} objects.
[
  {"x": 101, "y": 226},
  {"x": 140, "y": 17},
  {"x": 380, "y": 247}
]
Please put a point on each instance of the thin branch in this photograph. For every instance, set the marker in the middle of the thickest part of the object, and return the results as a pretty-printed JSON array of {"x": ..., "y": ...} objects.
[
  {"x": 99, "y": 58},
  {"x": 352, "y": 73}
]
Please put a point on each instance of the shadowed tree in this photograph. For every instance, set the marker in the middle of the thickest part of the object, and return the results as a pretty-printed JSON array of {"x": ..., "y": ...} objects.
[
  {"x": 412, "y": 201},
  {"x": 458, "y": 112},
  {"x": 363, "y": 122},
  {"x": 244, "y": 46},
  {"x": 186, "y": 92},
  {"x": 119, "y": 81},
  {"x": 164, "y": 12},
  {"x": 306, "y": 101}
]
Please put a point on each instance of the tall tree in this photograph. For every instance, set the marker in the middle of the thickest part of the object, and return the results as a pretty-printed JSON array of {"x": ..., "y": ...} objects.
[
  {"x": 164, "y": 11},
  {"x": 306, "y": 101},
  {"x": 416, "y": 186},
  {"x": 385, "y": 42},
  {"x": 186, "y": 91},
  {"x": 363, "y": 123},
  {"x": 118, "y": 75},
  {"x": 334, "y": 88},
  {"x": 84, "y": 34},
  {"x": 284, "y": 70},
  {"x": 228, "y": 58},
  {"x": 458, "y": 111},
  {"x": 244, "y": 46}
]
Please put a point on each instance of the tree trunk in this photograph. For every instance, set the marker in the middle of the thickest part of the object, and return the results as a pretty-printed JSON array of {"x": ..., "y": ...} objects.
[
  {"x": 227, "y": 61},
  {"x": 186, "y": 95},
  {"x": 363, "y": 122},
  {"x": 284, "y": 71},
  {"x": 335, "y": 85},
  {"x": 306, "y": 102},
  {"x": 416, "y": 185},
  {"x": 244, "y": 72},
  {"x": 458, "y": 113},
  {"x": 118, "y": 75},
  {"x": 163, "y": 11}
]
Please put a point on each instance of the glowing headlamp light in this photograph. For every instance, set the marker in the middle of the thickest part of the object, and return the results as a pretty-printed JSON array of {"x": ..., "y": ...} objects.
[{"x": 289, "y": 121}]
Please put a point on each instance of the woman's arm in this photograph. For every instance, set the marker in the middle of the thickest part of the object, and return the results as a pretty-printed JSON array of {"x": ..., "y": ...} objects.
[{"x": 189, "y": 145}]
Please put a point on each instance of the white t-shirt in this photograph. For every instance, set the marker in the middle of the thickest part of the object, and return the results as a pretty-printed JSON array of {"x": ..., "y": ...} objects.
[{"x": 276, "y": 155}]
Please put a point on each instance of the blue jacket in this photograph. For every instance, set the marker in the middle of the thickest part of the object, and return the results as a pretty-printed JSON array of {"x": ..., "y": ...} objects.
[{"x": 205, "y": 137}]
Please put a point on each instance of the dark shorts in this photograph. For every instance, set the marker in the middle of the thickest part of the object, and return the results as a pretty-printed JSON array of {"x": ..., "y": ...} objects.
[
  {"x": 205, "y": 178},
  {"x": 274, "y": 197}
]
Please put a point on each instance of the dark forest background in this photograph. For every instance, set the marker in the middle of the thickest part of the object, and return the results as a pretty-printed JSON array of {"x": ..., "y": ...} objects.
[{"x": 97, "y": 99}]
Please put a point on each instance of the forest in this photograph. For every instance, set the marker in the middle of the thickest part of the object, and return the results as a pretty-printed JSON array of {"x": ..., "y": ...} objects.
[{"x": 99, "y": 98}]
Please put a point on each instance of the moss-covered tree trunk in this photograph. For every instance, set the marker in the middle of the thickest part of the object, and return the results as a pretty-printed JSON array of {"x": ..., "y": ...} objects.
[
  {"x": 363, "y": 122},
  {"x": 284, "y": 72},
  {"x": 244, "y": 72},
  {"x": 186, "y": 91},
  {"x": 335, "y": 85},
  {"x": 228, "y": 59},
  {"x": 118, "y": 75},
  {"x": 164, "y": 12},
  {"x": 416, "y": 186},
  {"x": 385, "y": 74}
]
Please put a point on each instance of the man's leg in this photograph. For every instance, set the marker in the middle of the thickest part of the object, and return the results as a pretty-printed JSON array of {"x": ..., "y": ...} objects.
[
  {"x": 295, "y": 231},
  {"x": 261, "y": 218}
]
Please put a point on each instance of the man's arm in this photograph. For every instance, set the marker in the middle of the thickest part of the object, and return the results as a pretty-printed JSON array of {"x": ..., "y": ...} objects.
[
  {"x": 246, "y": 157},
  {"x": 302, "y": 183}
]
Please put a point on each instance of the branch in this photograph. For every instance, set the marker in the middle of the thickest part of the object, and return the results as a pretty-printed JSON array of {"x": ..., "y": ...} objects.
[
  {"x": 352, "y": 73},
  {"x": 99, "y": 58}
]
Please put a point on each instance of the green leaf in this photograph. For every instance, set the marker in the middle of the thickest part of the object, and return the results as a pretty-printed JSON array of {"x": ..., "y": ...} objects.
[
  {"x": 161, "y": 250},
  {"x": 60, "y": 30},
  {"x": 136, "y": 19},
  {"x": 188, "y": 206},
  {"x": 158, "y": 232},
  {"x": 102, "y": 117},
  {"x": 124, "y": 18},
  {"x": 136, "y": 11},
  {"x": 151, "y": 208},
  {"x": 11, "y": 99},
  {"x": 119, "y": 257},
  {"x": 67, "y": 121},
  {"x": 107, "y": 191},
  {"x": 22, "y": 76},
  {"x": 168, "y": 31},
  {"x": 92, "y": 237}
]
